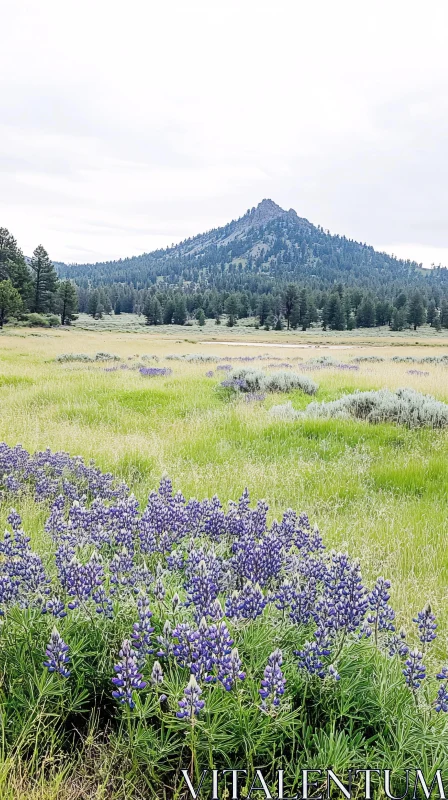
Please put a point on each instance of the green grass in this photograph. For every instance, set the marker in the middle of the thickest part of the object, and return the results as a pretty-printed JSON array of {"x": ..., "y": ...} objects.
[{"x": 379, "y": 491}]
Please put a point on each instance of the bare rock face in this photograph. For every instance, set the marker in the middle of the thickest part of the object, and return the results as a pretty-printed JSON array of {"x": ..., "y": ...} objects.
[{"x": 264, "y": 213}]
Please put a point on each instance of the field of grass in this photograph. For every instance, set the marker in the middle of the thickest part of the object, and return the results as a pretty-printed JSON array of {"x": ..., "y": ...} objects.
[{"x": 379, "y": 492}]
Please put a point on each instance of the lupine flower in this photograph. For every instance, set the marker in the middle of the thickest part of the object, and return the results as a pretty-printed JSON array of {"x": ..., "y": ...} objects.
[
  {"x": 165, "y": 640},
  {"x": 128, "y": 679},
  {"x": 14, "y": 519},
  {"x": 254, "y": 397},
  {"x": 191, "y": 704},
  {"x": 159, "y": 590},
  {"x": 156, "y": 674},
  {"x": 54, "y": 606},
  {"x": 247, "y": 604},
  {"x": 414, "y": 671},
  {"x": 426, "y": 623},
  {"x": 202, "y": 590},
  {"x": 309, "y": 659},
  {"x": 57, "y": 655},
  {"x": 396, "y": 644},
  {"x": 441, "y": 701},
  {"x": 152, "y": 372},
  {"x": 219, "y": 652},
  {"x": 382, "y": 615},
  {"x": 142, "y": 630},
  {"x": 235, "y": 671},
  {"x": 273, "y": 683},
  {"x": 185, "y": 649},
  {"x": 332, "y": 671}
]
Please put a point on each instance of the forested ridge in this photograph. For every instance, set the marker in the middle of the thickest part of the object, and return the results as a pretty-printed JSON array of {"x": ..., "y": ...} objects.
[
  {"x": 264, "y": 247},
  {"x": 269, "y": 264}
]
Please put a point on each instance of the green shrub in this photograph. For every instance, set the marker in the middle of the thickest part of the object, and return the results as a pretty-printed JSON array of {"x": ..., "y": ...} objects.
[{"x": 37, "y": 320}]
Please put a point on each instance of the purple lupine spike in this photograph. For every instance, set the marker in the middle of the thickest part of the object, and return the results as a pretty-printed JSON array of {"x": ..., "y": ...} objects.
[
  {"x": 235, "y": 672},
  {"x": 14, "y": 519},
  {"x": 219, "y": 653},
  {"x": 309, "y": 659},
  {"x": 54, "y": 606},
  {"x": 142, "y": 630},
  {"x": 441, "y": 701},
  {"x": 273, "y": 683},
  {"x": 191, "y": 704},
  {"x": 128, "y": 679},
  {"x": 414, "y": 671},
  {"x": 156, "y": 674},
  {"x": 397, "y": 645},
  {"x": 382, "y": 615},
  {"x": 202, "y": 590},
  {"x": 426, "y": 623},
  {"x": 166, "y": 641},
  {"x": 56, "y": 654},
  {"x": 247, "y": 604}
]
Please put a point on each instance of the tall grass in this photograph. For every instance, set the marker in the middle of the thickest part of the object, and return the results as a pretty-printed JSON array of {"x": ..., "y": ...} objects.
[{"x": 376, "y": 490}]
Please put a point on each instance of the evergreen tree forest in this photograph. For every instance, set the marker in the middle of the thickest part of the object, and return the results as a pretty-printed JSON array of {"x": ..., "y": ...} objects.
[
  {"x": 30, "y": 289},
  {"x": 270, "y": 268}
]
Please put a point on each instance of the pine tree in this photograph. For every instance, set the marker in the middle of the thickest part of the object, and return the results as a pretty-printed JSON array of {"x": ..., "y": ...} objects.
[
  {"x": 200, "y": 316},
  {"x": 67, "y": 302},
  {"x": 431, "y": 313},
  {"x": 401, "y": 300},
  {"x": 168, "y": 312},
  {"x": 365, "y": 316},
  {"x": 232, "y": 308},
  {"x": 44, "y": 282},
  {"x": 264, "y": 308},
  {"x": 335, "y": 312},
  {"x": 444, "y": 314},
  {"x": 12, "y": 264},
  {"x": 10, "y": 301},
  {"x": 416, "y": 311},
  {"x": 398, "y": 322},
  {"x": 180, "y": 311},
  {"x": 93, "y": 303},
  {"x": 290, "y": 301}
]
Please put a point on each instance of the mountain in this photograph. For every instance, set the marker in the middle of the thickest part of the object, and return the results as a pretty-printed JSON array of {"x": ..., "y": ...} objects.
[{"x": 266, "y": 247}]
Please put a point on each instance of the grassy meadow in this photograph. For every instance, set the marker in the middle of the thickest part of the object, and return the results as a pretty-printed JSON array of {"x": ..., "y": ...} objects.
[
  {"x": 378, "y": 491},
  {"x": 381, "y": 491}
]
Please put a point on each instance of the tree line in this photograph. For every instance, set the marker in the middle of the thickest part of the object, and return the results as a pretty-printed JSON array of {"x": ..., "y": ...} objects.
[
  {"x": 292, "y": 307},
  {"x": 31, "y": 288}
]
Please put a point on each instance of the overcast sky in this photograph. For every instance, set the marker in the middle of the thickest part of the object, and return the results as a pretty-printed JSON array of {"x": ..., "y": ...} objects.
[{"x": 126, "y": 126}]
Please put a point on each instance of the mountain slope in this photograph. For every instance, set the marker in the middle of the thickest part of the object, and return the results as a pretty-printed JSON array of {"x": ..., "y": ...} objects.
[{"x": 266, "y": 246}]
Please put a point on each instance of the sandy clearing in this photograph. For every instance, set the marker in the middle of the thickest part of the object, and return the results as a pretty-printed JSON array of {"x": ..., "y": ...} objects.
[{"x": 294, "y": 346}]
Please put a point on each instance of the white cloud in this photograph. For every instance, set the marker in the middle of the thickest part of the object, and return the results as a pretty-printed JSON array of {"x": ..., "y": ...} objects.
[{"x": 128, "y": 127}]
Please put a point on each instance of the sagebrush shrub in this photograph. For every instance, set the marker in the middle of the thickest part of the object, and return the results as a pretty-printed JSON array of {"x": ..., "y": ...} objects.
[
  {"x": 255, "y": 380},
  {"x": 404, "y": 407},
  {"x": 74, "y": 357},
  {"x": 371, "y": 359},
  {"x": 284, "y": 412},
  {"x": 106, "y": 357}
]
